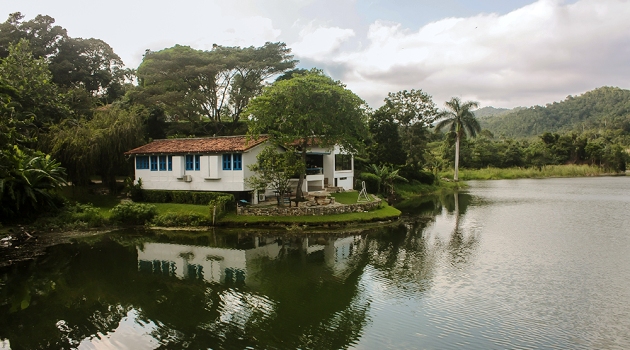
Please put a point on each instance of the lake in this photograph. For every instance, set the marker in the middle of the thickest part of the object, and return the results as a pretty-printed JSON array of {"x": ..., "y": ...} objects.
[{"x": 506, "y": 264}]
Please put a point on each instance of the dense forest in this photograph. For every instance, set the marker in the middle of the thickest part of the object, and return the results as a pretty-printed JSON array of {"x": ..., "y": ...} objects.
[
  {"x": 69, "y": 109},
  {"x": 600, "y": 110}
]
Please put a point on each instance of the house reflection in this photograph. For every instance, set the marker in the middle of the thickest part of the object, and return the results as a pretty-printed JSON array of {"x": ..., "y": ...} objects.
[{"x": 227, "y": 266}]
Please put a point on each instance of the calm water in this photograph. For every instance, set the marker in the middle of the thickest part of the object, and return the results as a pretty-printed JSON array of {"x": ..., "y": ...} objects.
[{"x": 515, "y": 264}]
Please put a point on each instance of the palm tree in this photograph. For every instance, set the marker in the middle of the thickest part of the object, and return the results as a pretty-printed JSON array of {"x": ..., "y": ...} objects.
[{"x": 459, "y": 118}]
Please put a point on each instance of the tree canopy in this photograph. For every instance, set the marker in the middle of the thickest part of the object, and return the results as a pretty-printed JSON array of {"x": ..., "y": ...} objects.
[
  {"x": 402, "y": 122},
  {"x": 309, "y": 110},
  {"x": 89, "y": 64},
  {"x": 216, "y": 84}
]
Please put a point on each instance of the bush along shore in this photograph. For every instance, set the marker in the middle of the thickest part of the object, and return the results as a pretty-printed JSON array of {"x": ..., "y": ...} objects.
[{"x": 569, "y": 170}]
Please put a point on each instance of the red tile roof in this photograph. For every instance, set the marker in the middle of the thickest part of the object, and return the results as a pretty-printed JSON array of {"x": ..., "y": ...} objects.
[{"x": 207, "y": 145}]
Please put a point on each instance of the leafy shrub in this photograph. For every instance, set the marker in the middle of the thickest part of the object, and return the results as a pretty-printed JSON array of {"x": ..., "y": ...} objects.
[
  {"x": 182, "y": 219},
  {"x": 71, "y": 217},
  {"x": 410, "y": 173},
  {"x": 222, "y": 203},
  {"x": 134, "y": 191},
  {"x": 133, "y": 213},
  {"x": 372, "y": 182}
]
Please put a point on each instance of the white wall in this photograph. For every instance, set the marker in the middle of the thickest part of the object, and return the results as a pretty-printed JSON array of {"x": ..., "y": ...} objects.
[
  {"x": 210, "y": 177},
  {"x": 345, "y": 178}
]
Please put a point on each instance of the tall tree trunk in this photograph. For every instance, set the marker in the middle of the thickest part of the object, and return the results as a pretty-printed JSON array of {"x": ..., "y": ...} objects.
[{"x": 456, "y": 177}]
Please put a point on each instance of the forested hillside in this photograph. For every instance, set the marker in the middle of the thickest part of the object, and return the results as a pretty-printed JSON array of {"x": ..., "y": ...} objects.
[
  {"x": 491, "y": 112},
  {"x": 605, "y": 108}
]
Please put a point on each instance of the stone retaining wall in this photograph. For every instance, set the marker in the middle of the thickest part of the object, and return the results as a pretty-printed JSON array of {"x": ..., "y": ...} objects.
[{"x": 305, "y": 210}]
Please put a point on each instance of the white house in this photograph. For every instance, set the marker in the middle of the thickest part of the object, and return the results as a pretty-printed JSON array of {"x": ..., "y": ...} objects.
[{"x": 221, "y": 164}]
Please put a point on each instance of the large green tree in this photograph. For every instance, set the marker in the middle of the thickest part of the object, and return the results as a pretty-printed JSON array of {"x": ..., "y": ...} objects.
[
  {"x": 90, "y": 64},
  {"x": 30, "y": 80},
  {"x": 385, "y": 145},
  {"x": 75, "y": 63},
  {"x": 41, "y": 32},
  {"x": 414, "y": 112},
  {"x": 309, "y": 110},
  {"x": 217, "y": 84},
  {"x": 460, "y": 120}
]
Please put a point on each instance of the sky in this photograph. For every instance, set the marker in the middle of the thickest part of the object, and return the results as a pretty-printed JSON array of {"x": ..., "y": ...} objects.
[{"x": 501, "y": 53}]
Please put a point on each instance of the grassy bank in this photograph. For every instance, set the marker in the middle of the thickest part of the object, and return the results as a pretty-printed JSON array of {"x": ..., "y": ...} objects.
[
  {"x": 384, "y": 213},
  {"x": 94, "y": 211},
  {"x": 526, "y": 173}
]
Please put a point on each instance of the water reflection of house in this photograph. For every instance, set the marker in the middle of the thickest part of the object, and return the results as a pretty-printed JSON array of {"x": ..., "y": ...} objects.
[
  {"x": 215, "y": 265},
  {"x": 221, "y": 265},
  {"x": 339, "y": 253}
]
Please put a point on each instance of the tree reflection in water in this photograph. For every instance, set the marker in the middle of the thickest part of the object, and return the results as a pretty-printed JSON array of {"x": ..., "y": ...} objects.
[{"x": 219, "y": 290}]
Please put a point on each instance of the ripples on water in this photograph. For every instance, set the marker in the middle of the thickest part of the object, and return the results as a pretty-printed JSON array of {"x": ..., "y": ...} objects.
[
  {"x": 534, "y": 264},
  {"x": 520, "y": 264}
]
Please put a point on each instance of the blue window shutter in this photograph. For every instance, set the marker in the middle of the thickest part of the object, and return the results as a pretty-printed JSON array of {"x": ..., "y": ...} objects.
[
  {"x": 154, "y": 163},
  {"x": 162, "y": 163},
  {"x": 238, "y": 161},
  {"x": 197, "y": 162},
  {"x": 227, "y": 162},
  {"x": 189, "y": 162},
  {"x": 170, "y": 163},
  {"x": 142, "y": 162}
]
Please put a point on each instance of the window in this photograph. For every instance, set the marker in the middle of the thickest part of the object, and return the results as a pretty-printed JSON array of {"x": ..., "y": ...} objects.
[
  {"x": 232, "y": 161},
  {"x": 343, "y": 162},
  {"x": 238, "y": 161},
  {"x": 170, "y": 163},
  {"x": 162, "y": 163},
  {"x": 154, "y": 163},
  {"x": 227, "y": 162},
  {"x": 190, "y": 162},
  {"x": 193, "y": 162},
  {"x": 142, "y": 162}
]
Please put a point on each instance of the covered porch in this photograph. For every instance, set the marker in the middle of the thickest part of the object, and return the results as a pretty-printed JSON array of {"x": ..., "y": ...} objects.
[{"x": 316, "y": 179}]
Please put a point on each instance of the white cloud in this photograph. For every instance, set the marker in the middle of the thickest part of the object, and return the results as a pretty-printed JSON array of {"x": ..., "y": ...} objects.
[
  {"x": 533, "y": 55},
  {"x": 318, "y": 43}
]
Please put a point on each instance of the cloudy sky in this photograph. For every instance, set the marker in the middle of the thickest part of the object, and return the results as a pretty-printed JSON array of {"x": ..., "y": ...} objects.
[{"x": 502, "y": 53}]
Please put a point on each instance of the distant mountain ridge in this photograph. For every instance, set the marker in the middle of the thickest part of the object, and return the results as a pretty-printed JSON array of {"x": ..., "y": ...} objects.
[
  {"x": 605, "y": 107},
  {"x": 490, "y": 112}
]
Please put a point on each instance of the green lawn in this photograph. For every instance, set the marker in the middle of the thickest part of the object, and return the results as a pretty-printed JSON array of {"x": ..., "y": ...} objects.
[
  {"x": 347, "y": 197},
  {"x": 164, "y": 208}
]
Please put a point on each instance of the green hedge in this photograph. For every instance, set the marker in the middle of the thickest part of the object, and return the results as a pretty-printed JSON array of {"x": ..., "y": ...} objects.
[
  {"x": 133, "y": 213},
  {"x": 186, "y": 197},
  {"x": 182, "y": 220}
]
